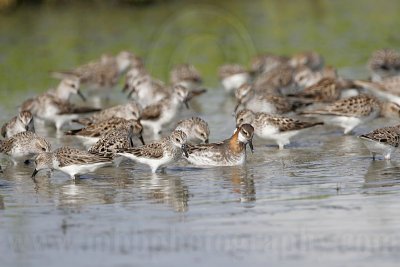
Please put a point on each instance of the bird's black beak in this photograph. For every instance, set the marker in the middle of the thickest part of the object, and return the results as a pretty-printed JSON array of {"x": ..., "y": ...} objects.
[
  {"x": 185, "y": 150},
  {"x": 251, "y": 146},
  {"x": 206, "y": 141},
  {"x": 236, "y": 108},
  {"x": 186, "y": 103},
  {"x": 126, "y": 86},
  {"x": 81, "y": 95},
  {"x": 131, "y": 141},
  {"x": 130, "y": 93},
  {"x": 34, "y": 173},
  {"x": 141, "y": 139}
]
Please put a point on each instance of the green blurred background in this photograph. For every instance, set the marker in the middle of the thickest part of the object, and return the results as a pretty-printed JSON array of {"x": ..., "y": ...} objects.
[{"x": 39, "y": 36}]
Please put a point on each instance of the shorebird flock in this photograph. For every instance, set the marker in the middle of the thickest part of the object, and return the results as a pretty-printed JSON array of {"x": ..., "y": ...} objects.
[{"x": 277, "y": 98}]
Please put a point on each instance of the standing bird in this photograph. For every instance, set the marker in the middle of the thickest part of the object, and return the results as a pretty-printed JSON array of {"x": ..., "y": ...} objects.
[
  {"x": 143, "y": 88},
  {"x": 161, "y": 153},
  {"x": 388, "y": 88},
  {"x": 69, "y": 160},
  {"x": 232, "y": 76},
  {"x": 92, "y": 133},
  {"x": 229, "y": 152},
  {"x": 163, "y": 112},
  {"x": 272, "y": 127},
  {"x": 23, "y": 146},
  {"x": 104, "y": 73},
  {"x": 350, "y": 112},
  {"x": 186, "y": 75},
  {"x": 114, "y": 142},
  {"x": 261, "y": 102},
  {"x": 382, "y": 141},
  {"x": 55, "y": 110},
  {"x": 196, "y": 130},
  {"x": 310, "y": 59},
  {"x": 129, "y": 111},
  {"x": 266, "y": 62},
  {"x": 21, "y": 123},
  {"x": 326, "y": 90}
]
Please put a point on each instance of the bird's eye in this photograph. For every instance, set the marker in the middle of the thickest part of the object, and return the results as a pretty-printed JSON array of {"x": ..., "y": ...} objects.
[
  {"x": 73, "y": 86},
  {"x": 43, "y": 149},
  {"x": 240, "y": 120},
  {"x": 177, "y": 140}
]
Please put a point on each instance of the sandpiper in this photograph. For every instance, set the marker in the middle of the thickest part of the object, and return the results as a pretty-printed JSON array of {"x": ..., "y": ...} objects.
[
  {"x": 382, "y": 141},
  {"x": 272, "y": 127},
  {"x": 278, "y": 79},
  {"x": 69, "y": 160},
  {"x": 55, "y": 110},
  {"x": 196, "y": 130},
  {"x": 23, "y": 146},
  {"x": 63, "y": 92},
  {"x": 384, "y": 63},
  {"x": 159, "y": 154},
  {"x": 144, "y": 88},
  {"x": 66, "y": 88},
  {"x": 230, "y": 152},
  {"x": 310, "y": 59},
  {"x": 350, "y": 112},
  {"x": 388, "y": 88},
  {"x": 266, "y": 62},
  {"x": 163, "y": 112},
  {"x": 128, "y": 111},
  {"x": 114, "y": 142},
  {"x": 89, "y": 135},
  {"x": 186, "y": 75},
  {"x": 261, "y": 102},
  {"x": 21, "y": 123},
  {"x": 326, "y": 90},
  {"x": 104, "y": 73},
  {"x": 232, "y": 76}
]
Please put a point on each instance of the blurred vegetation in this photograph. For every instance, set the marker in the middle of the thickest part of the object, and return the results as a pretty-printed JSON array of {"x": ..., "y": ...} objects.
[
  {"x": 38, "y": 38},
  {"x": 7, "y": 5}
]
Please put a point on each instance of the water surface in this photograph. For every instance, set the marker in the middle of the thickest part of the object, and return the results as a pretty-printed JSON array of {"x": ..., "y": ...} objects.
[{"x": 321, "y": 201}]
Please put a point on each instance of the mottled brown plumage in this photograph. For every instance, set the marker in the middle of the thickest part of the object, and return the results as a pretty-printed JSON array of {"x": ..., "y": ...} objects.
[
  {"x": 389, "y": 85},
  {"x": 386, "y": 135},
  {"x": 115, "y": 141},
  {"x": 326, "y": 90},
  {"x": 151, "y": 151},
  {"x": 104, "y": 127},
  {"x": 105, "y": 72},
  {"x": 69, "y": 156},
  {"x": 20, "y": 123},
  {"x": 357, "y": 106},
  {"x": 284, "y": 124},
  {"x": 153, "y": 112},
  {"x": 128, "y": 111}
]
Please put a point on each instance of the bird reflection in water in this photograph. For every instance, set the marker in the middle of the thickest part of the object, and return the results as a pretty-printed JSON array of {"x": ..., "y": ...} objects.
[
  {"x": 382, "y": 174},
  {"x": 168, "y": 189},
  {"x": 242, "y": 183}
]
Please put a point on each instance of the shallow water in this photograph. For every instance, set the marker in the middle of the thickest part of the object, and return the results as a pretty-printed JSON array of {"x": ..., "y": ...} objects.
[{"x": 320, "y": 201}]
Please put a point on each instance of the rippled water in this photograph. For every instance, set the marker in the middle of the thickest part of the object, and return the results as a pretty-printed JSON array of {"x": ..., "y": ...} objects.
[{"x": 321, "y": 201}]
